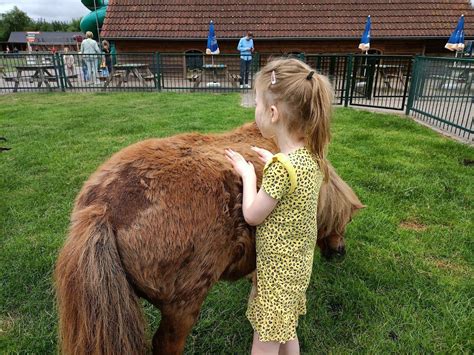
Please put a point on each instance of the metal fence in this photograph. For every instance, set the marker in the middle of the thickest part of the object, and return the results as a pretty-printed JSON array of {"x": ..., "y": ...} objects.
[
  {"x": 37, "y": 71},
  {"x": 334, "y": 67},
  {"x": 78, "y": 72},
  {"x": 379, "y": 81},
  {"x": 199, "y": 72},
  {"x": 442, "y": 94}
]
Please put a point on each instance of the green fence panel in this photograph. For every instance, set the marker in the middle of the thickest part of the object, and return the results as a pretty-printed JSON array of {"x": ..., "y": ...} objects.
[{"x": 442, "y": 94}]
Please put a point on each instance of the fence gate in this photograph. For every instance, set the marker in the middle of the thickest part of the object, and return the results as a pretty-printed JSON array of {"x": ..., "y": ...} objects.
[{"x": 380, "y": 81}]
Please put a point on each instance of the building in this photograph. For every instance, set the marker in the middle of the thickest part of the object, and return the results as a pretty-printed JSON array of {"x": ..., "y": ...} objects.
[
  {"x": 43, "y": 41},
  {"x": 290, "y": 26}
]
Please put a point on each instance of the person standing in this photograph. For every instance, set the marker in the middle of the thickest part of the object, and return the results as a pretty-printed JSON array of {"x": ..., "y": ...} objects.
[
  {"x": 91, "y": 50},
  {"x": 246, "y": 49},
  {"x": 68, "y": 60},
  {"x": 108, "y": 57}
]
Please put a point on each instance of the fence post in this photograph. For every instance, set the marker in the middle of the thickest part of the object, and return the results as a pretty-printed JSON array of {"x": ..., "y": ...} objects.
[
  {"x": 255, "y": 62},
  {"x": 350, "y": 59},
  {"x": 414, "y": 84},
  {"x": 158, "y": 72},
  {"x": 59, "y": 70},
  {"x": 258, "y": 61}
]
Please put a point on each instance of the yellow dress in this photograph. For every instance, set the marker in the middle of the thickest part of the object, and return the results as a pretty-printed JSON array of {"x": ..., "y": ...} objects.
[{"x": 285, "y": 244}]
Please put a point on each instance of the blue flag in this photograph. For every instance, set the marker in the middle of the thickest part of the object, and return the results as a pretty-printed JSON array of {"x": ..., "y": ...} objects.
[
  {"x": 212, "y": 47},
  {"x": 365, "y": 40},
  {"x": 456, "y": 41}
]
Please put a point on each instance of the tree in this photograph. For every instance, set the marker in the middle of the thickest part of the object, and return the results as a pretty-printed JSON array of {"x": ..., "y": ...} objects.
[
  {"x": 17, "y": 20},
  {"x": 41, "y": 25},
  {"x": 74, "y": 25},
  {"x": 14, "y": 20}
]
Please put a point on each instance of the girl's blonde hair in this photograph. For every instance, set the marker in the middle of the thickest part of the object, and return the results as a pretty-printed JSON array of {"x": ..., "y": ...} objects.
[
  {"x": 304, "y": 100},
  {"x": 89, "y": 34}
]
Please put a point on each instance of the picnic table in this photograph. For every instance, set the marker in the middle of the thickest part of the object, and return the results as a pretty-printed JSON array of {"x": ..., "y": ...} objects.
[
  {"x": 388, "y": 72},
  {"x": 214, "y": 68},
  {"x": 459, "y": 74},
  {"x": 141, "y": 71},
  {"x": 41, "y": 74}
]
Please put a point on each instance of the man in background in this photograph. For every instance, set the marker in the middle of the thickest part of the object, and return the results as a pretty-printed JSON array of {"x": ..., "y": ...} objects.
[{"x": 246, "y": 49}]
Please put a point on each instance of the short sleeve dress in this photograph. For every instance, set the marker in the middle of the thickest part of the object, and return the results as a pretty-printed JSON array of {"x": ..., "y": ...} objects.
[{"x": 285, "y": 244}]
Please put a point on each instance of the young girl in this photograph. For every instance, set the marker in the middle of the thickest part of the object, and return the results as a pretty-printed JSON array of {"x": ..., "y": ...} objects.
[
  {"x": 68, "y": 62},
  {"x": 293, "y": 108}
]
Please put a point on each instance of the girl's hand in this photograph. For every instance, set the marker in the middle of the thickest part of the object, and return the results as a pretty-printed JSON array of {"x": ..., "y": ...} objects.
[
  {"x": 263, "y": 154},
  {"x": 242, "y": 167}
]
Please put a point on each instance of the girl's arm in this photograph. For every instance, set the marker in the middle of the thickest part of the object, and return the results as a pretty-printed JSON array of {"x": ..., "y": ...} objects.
[{"x": 255, "y": 206}]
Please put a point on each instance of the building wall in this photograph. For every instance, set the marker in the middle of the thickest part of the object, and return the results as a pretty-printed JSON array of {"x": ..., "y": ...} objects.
[{"x": 398, "y": 47}]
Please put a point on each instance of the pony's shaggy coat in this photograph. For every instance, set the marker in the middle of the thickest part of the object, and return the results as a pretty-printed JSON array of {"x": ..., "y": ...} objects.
[{"x": 162, "y": 220}]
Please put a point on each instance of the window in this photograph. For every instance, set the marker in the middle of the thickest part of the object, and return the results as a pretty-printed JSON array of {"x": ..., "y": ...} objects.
[{"x": 194, "y": 59}]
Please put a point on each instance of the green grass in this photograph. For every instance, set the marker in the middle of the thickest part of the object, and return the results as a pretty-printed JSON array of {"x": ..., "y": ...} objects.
[{"x": 404, "y": 286}]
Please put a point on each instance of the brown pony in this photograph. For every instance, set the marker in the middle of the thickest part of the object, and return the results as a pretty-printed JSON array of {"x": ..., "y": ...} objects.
[{"x": 162, "y": 220}]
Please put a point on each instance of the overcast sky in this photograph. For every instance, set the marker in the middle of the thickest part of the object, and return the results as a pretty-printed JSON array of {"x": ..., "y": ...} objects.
[{"x": 61, "y": 10}]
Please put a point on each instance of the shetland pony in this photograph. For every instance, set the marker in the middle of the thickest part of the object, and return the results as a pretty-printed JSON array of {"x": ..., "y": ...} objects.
[{"x": 162, "y": 220}]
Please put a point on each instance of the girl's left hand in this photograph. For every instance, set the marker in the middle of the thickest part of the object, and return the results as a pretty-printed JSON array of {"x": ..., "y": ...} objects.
[{"x": 241, "y": 166}]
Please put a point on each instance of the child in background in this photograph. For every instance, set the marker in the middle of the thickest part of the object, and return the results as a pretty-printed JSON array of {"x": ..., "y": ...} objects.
[
  {"x": 68, "y": 62},
  {"x": 293, "y": 106},
  {"x": 85, "y": 71}
]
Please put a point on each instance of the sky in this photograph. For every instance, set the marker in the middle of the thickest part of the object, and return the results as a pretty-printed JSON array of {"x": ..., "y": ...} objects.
[{"x": 60, "y": 10}]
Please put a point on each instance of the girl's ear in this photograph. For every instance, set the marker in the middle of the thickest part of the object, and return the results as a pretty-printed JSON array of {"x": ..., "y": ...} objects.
[{"x": 275, "y": 113}]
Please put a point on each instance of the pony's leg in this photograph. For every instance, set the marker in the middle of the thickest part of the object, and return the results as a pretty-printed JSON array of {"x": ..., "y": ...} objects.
[{"x": 177, "y": 319}]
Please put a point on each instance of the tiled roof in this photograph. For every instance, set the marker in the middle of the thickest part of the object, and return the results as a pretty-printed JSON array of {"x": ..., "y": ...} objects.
[{"x": 189, "y": 19}]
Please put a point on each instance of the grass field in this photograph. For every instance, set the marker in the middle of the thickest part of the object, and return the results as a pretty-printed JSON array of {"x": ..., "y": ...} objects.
[{"x": 405, "y": 285}]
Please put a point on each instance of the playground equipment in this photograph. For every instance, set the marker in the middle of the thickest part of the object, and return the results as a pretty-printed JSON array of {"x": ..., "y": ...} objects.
[{"x": 95, "y": 19}]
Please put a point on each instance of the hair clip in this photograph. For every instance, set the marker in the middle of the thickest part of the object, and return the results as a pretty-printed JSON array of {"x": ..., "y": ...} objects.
[
  {"x": 273, "y": 78},
  {"x": 310, "y": 75}
]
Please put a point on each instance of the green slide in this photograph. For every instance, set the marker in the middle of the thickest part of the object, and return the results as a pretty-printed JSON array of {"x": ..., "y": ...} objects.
[{"x": 96, "y": 17}]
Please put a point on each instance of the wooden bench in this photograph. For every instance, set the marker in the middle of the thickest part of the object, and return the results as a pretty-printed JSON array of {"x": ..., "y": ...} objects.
[
  {"x": 235, "y": 79},
  {"x": 194, "y": 76},
  {"x": 9, "y": 78}
]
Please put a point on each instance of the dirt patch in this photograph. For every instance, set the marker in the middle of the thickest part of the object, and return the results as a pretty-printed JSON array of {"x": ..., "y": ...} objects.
[
  {"x": 6, "y": 323},
  {"x": 448, "y": 265},
  {"x": 413, "y": 225}
]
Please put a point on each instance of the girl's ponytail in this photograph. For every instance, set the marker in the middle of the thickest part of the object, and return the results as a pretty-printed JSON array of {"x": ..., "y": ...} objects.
[{"x": 318, "y": 132}]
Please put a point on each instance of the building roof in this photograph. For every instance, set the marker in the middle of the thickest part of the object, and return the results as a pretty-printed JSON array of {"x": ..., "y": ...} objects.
[
  {"x": 45, "y": 38},
  {"x": 277, "y": 19}
]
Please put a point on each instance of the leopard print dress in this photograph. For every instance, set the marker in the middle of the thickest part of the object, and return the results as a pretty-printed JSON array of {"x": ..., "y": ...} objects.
[{"x": 285, "y": 244}]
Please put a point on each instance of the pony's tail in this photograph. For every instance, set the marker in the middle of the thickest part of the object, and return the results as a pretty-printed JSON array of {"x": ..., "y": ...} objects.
[{"x": 99, "y": 313}]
